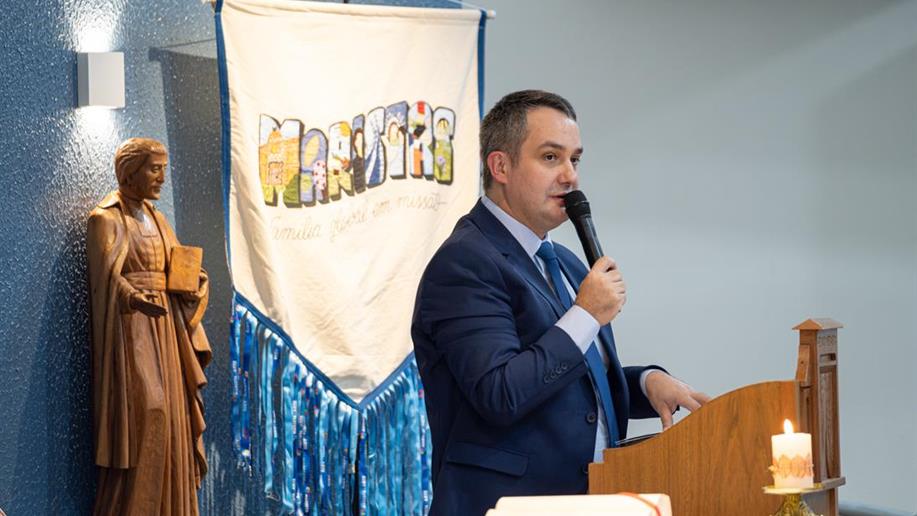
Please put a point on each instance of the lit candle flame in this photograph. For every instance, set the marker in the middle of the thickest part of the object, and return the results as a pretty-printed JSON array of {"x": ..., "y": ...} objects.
[{"x": 787, "y": 426}]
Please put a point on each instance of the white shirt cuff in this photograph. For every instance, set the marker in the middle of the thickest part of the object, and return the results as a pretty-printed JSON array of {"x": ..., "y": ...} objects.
[
  {"x": 580, "y": 325},
  {"x": 643, "y": 377}
]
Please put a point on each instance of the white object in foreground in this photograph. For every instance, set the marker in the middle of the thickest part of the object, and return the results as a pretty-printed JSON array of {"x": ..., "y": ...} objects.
[
  {"x": 584, "y": 505},
  {"x": 792, "y": 458}
]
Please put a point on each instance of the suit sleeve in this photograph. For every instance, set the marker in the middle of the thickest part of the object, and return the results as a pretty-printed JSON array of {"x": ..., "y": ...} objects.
[
  {"x": 466, "y": 311},
  {"x": 640, "y": 407}
]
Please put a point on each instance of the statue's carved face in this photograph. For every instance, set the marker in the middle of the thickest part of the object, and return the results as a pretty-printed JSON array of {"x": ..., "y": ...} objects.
[{"x": 146, "y": 182}]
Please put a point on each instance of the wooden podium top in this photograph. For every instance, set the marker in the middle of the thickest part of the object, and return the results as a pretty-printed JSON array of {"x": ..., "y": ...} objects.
[{"x": 715, "y": 460}]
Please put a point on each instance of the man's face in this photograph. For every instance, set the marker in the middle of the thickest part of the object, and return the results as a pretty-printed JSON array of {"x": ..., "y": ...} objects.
[
  {"x": 146, "y": 182},
  {"x": 545, "y": 170}
]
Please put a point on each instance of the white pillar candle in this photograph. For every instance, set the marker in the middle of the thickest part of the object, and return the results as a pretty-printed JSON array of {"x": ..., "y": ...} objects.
[{"x": 792, "y": 458}]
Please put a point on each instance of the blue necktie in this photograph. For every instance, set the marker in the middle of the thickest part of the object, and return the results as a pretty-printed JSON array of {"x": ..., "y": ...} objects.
[{"x": 593, "y": 359}]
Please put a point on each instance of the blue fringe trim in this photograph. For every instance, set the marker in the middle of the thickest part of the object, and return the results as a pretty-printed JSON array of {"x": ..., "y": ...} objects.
[{"x": 317, "y": 450}]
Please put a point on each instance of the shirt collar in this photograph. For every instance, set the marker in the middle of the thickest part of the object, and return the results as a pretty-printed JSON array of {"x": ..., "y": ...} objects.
[{"x": 525, "y": 236}]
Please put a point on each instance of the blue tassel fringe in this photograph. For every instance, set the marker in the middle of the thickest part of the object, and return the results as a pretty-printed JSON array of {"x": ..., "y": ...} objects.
[{"x": 317, "y": 451}]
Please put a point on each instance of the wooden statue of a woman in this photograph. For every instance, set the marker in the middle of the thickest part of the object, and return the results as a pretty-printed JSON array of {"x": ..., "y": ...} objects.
[{"x": 149, "y": 349}]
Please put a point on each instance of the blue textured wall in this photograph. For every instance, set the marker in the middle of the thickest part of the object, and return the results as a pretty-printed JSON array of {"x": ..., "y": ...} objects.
[{"x": 55, "y": 164}]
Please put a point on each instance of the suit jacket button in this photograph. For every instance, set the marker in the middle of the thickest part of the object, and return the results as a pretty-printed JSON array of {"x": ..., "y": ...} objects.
[
  {"x": 563, "y": 366},
  {"x": 547, "y": 379},
  {"x": 591, "y": 418},
  {"x": 585, "y": 469}
]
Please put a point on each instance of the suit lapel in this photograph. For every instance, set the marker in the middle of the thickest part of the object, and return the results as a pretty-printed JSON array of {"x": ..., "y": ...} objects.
[{"x": 504, "y": 241}]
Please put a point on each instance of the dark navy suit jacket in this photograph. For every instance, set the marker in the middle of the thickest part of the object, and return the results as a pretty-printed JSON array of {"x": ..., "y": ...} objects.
[{"x": 511, "y": 408}]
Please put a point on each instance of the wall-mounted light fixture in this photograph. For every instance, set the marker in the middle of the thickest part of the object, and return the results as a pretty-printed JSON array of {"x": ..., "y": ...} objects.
[{"x": 100, "y": 78}]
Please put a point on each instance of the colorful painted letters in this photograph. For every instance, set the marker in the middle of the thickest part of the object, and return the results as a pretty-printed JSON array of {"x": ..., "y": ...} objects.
[{"x": 397, "y": 142}]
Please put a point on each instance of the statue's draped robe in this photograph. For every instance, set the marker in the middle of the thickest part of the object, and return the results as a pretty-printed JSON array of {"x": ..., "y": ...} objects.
[{"x": 147, "y": 373}]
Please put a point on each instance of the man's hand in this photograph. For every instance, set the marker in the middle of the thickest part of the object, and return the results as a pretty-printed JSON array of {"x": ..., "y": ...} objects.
[
  {"x": 602, "y": 292},
  {"x": 147, "y": 305},
  {"x": 667, "y": 393}
]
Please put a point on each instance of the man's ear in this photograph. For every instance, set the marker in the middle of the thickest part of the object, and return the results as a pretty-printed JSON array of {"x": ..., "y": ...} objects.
[{"x": 498, "y": 163}]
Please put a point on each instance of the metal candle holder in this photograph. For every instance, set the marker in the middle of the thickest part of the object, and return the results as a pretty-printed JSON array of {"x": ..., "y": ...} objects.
[{"x": 793, "y": 504}]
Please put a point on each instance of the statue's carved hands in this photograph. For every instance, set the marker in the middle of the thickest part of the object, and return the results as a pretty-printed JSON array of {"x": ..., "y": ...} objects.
[
  {"x": 194, "y": 297},
  {"x": 666, "y": 393},
  {"x": 147, "y": 305}
]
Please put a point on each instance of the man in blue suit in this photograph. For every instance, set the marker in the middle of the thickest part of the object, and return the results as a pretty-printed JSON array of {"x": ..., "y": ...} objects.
[{"x": 511, "y": 332}]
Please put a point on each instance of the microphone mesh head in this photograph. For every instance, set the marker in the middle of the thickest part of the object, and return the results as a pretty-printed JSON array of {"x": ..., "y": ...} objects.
[{"x": 576, "y": 204}]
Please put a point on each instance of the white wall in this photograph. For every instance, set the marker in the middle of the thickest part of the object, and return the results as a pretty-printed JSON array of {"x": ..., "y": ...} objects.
[{"x": 750, "y": 164}]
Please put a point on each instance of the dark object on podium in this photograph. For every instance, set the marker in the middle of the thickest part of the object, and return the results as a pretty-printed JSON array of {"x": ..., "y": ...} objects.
[
  {"x": 185, "y": 269},
  {"x": 715, "y": 460},
  {"x": 634, "y": 440}
]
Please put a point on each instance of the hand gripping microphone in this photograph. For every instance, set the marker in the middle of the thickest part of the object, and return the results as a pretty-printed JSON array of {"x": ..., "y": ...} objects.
[{"x": 578, "y": 210}]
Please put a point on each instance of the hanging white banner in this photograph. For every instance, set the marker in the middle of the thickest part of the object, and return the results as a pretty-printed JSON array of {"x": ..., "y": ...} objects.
[{"x": 353, "y": 150}]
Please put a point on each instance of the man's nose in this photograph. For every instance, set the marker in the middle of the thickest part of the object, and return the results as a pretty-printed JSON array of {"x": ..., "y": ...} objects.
[{"x": 569, "y": 176}]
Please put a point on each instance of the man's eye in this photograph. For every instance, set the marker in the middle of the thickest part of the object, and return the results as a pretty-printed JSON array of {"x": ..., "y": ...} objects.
[
  {"x": 550, "y": 157},
  {"x": 575, "y": 160}
]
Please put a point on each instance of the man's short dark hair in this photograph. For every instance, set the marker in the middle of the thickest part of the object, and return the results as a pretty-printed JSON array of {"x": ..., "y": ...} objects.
[{"x": 504, "y": 127}]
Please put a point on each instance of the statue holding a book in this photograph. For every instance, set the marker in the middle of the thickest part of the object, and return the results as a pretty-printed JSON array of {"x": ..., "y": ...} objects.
[{"x": 149, "y": 350}]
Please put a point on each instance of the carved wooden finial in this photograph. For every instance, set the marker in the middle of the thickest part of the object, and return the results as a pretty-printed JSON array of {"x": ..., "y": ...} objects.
[
  {"x": 818, "y": 324},
  {"x": 816, "y": 372}
]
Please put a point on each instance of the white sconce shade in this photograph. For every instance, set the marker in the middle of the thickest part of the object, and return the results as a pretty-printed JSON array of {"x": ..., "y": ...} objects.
[{"x": 100, "y": 78}]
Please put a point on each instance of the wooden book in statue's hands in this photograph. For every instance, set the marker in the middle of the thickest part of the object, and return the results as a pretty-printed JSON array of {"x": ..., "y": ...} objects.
[{"x": 184, "y": 269}]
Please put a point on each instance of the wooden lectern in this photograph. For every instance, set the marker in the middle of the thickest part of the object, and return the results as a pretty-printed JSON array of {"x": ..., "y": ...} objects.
[{"x": 715, "y": 461}]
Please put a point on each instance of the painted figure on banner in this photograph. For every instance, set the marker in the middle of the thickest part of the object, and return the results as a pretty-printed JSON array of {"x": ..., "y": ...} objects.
[
  {"x": 420, "y": 134},
  {"x": 149, "y": 350},
  {"x": 395, "y": 139},
  {"x": 278, "y": 160},
  {"x": 313, "y": 155},
  {"x": 375, "y": 156},
  {"x": 340, "y": 178},
  {"x": 272, "y": 171},
  {"x": 444, "y": 130},
  {"x": 320, "y": 179},
  {"x": 358, "y": 165}
]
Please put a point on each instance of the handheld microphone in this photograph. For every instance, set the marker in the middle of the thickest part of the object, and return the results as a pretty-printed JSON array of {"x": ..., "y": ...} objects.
[{"x": 581, "y": 216}]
